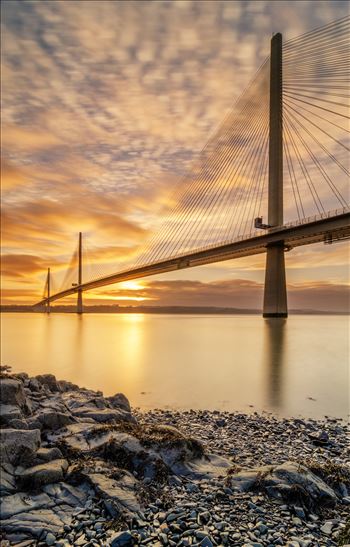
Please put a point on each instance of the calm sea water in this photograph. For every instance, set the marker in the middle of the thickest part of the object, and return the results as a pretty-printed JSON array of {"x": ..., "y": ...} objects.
[{"x": 295, "y": 367}]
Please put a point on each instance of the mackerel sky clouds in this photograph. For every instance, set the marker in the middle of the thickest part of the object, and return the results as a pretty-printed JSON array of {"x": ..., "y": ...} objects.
[{"x": 104, "y": 105}]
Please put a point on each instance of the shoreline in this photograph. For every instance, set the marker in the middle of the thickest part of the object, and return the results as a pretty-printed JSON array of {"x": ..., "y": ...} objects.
[{"x": 83, "y": 469}]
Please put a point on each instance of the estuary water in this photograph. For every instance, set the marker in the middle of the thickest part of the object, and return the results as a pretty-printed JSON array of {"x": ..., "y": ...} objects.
[{"x": 293, "y": 367}]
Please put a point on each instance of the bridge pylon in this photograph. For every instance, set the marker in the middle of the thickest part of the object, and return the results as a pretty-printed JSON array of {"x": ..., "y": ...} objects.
[
  {"x": 275, "y": 293},
  {"x": 48, "y": 287},
  {"x": 80, "y": 274}
]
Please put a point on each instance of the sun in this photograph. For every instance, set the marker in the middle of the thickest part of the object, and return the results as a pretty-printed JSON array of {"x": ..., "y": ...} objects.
[{"x": 131, "y": 285}]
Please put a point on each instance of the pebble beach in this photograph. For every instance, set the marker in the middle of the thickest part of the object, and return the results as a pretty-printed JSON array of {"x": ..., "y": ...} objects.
[{"x": 82, "y": 469}]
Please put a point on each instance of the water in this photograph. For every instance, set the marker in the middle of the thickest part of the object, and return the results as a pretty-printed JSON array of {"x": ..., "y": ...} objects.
[{"x": 294, "y": 367}]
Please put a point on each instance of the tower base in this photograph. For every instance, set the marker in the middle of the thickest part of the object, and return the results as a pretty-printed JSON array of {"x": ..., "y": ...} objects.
[
  {"x": 80, "y": 302},
  {"x": 275, "y": 294}
]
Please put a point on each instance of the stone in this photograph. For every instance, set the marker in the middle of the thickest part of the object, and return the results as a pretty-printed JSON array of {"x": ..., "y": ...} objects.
[
  {"x": 48, "y": 454},
  {"x": 12, "y": 392},
  {"x": 21, "y": 503},
  {"x": 54, "y": 420},
  {"x": 120, "y": 492},
  {"x": 50, "y": 539},
  {"x": 8, "y": 413},
  {"x": 327, "y": 527},
  {"x": 37, "y": 476},
  {"x": 105, "y": 415},
  {"x": 19, "y": 445},
  {"x": 49, "y": 381},
  {"x": 122, "y": 539},
  {"x": 288, "y": 482},
  {"x": 120, "y": 401},
  {"x": 7, "y": 479}
]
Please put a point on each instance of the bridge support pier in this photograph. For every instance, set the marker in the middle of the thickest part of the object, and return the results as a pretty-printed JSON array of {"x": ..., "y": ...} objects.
[
  {"x": 275, "y": 295},
  {"x": 80, "y": 274},
  {"x": 80, "y": 302}
]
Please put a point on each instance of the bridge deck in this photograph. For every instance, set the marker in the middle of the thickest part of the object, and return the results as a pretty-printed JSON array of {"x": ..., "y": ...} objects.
[{"x": 325, "y": 229}]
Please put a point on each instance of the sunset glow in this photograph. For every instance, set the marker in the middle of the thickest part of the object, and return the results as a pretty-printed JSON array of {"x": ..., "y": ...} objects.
[{"x": 98, "y": 127}]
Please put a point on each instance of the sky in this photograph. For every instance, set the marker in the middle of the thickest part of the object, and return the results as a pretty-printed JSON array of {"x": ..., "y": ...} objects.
[{"x": 105, "y": 106}]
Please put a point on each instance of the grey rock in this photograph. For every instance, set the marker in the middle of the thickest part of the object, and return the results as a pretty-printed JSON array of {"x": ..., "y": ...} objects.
[
  {"x": 49, "y": 381},
  {"x": 48, "y": 454},
  {"x": 39, "y": 475},
  {"x": 103, "y": 415},
  {"x": 12, "y": 392},
  {"x": 121, "y": 492},
  {"x": 54, "y": 420},
  {"x": 9, "y": 413},
  {"x": 120, "y": 401},
  {"x": 19, "y": 445},
  {"x": 279, "y": 480},
  {"x": 122, "y": 539},
  {"x": 50, "y": 539},
  {"x": 7, "y": 479},
  {"x": 21, "y": 503},
  {"x": 18, "y": 424}
]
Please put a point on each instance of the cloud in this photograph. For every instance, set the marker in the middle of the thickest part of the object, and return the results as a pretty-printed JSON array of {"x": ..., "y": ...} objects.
[
  {"x": 236, "y": 293},
  {"x": 106, "y": 105}
]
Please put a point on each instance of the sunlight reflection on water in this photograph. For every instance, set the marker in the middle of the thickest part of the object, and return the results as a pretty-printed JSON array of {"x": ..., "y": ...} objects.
[{"x": 289, "y": 367}]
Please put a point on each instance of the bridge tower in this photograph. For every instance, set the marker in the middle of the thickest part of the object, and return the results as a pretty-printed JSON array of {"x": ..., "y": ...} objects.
[
  {"x": 48, "y": 280},
  {"x": 80, "y": 274},
  {"x": 275, "y": 294}
]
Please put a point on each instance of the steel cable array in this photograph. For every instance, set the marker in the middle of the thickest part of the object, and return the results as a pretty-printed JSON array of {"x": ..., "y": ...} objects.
[{"x": 226, "y": 189}]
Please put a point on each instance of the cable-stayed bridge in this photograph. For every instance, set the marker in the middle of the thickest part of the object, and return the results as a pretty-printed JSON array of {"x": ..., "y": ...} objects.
[{"x": 281, "y": 151}]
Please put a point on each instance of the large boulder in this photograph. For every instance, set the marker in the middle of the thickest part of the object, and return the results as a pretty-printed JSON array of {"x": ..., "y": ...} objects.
[
  {"x": 119, "y": 401},
  {"x": 9, "y": 413},
  {"x": 12, "y": 392},
  {"x": 53, "y": 420},
  {"x": 7, "y": 479},
  {"x": 49, "y": 381},
  {"x": 19, "y": 445},
  {"x": 37, "y": 476},
  {"x": 119, "y": 491},
  {"x": 290, "y": 482}
]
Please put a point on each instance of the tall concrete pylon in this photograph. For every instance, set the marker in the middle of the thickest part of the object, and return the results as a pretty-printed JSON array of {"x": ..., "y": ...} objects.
[
  {"x": 80, "y": 274},
  {"x": 48, "y": 285},
  {"x": 275, "y": 294}
]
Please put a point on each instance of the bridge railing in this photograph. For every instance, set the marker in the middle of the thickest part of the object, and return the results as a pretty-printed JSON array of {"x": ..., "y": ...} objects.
[{"x": 256, "y": 233}]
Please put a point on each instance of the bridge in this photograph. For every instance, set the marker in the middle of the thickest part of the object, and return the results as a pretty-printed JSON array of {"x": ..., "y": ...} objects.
[{"x": 286, "y": 134}]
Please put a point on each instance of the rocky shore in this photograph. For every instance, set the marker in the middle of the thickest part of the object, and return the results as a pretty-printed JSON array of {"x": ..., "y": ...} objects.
[{"x": 81, "y": 469}]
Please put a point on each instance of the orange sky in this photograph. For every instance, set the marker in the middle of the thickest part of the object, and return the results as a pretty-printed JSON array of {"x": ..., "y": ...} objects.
[{"x": 104, "y": 106}]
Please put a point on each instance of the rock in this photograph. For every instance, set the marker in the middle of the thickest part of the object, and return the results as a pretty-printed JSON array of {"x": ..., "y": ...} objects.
[
  {"x": 7, "y": 479},
  {"x": 21, "y": 503},
  {"x": 121, "y": 491},
  {"x": 37, "y": 476},
  {"x": 18, "y": 424},
  {"x": 50, "y": 539},
  {"x": 327, "y": 527},
  {"x": 122, "y": 539},
  {"x": 12, "y": 392},
  {"x": 47, "y": 455},
  {"x": 119, "y": 401},
  {"x": 105, "y": 415},
  {"x": 54, "y": 420},
  {"x": 49, "y": 381},
  {"x": 8, "y": 413},
  {"x": 290, "y": 481},
  {"x": 19, "y": 445}
]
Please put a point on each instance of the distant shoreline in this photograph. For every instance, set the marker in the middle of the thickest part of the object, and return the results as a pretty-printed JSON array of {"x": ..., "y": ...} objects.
[{"x": 175, "y": 310}]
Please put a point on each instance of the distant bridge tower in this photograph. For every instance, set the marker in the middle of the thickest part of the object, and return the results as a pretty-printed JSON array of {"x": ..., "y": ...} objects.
[
  {"x": 80, "y": 274},
  {"x": 275, "y": 294},
  {"x": 48, "y": 281}
]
